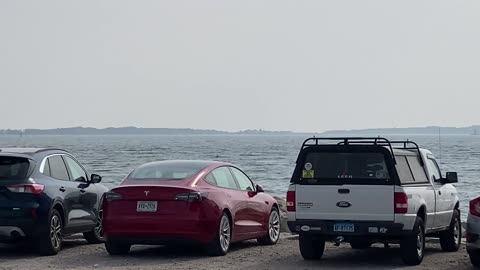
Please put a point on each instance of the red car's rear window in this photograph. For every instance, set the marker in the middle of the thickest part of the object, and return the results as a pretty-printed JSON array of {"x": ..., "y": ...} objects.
[{"x": 166, "y": 171}]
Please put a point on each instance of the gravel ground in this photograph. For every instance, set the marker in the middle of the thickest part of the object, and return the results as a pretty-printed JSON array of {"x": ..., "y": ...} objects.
[{"x": 77, "y": 254}]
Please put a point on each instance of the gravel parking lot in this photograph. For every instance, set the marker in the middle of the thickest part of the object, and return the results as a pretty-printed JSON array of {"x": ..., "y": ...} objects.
[{"x": 77, "y": 254}]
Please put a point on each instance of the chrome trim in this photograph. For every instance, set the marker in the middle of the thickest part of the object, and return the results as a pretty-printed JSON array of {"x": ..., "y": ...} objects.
[{"x": 42, "y": 165}]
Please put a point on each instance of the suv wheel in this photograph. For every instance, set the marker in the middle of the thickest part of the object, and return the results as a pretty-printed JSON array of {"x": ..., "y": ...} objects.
[
  {"x": 95, "y": 236},
  {"x": 50, "y": 239},
  {"x": 413, "y": 247},
  {"x": 311, "y": 249},
  {"x": 273, "y": 229},
  {"x": 451, "y": 239}
]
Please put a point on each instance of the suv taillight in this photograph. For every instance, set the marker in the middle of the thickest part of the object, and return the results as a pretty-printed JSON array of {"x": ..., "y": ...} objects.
[
  {"x": 400, "y": 203},
  {"x": 291, "y": 201},
  {"x": 26, "y": 188},
  {"x": 475, "y": 207}
]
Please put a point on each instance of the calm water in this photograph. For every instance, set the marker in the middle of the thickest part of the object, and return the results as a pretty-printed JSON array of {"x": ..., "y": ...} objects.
[{"x": 269, "y": 160}]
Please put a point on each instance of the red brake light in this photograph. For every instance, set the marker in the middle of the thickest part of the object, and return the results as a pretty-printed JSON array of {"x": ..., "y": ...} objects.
[
  {"x": 291, "y": 201},
  {"x": 475, "y": 207},
  {"x": 26, "y": 188},
  {"x": 400, "y": 203}
]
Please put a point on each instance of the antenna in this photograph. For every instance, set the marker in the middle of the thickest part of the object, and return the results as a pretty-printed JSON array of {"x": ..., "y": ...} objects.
[{"x": 440, "y": 144}]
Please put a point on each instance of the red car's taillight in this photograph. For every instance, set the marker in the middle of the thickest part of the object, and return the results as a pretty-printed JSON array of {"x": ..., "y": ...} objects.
[
  {"x": 400, "y": 203},
  {"x": 112, "y": 196},
  {"x": 190, "y": 197},
  {"x": 291, "y": 201},
  {"x": 26, "y": 188},
  {"x": 475, "y": 207}
]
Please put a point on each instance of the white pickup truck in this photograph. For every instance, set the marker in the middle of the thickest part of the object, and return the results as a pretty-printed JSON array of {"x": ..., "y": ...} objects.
[{"x": 368, "y": 190}]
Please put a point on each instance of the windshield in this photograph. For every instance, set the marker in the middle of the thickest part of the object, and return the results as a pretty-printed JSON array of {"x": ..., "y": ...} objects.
[
  {"x": 13, "y": 168},
  {"x": 166, "y": 171},
  {"x": 331, "y": 168}
]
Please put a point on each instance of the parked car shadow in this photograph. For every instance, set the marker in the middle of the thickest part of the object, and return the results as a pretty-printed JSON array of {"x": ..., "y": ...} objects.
[
  {"x": 376, "y": 257},
  {"x": 26, "y": 249},
  {"x": 156, "y": 255}
]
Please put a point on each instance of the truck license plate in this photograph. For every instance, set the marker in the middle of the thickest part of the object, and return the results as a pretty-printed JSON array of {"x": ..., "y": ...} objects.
[
  {"x": 146, "y": 206},
  {"x": 344, "y": 227}
]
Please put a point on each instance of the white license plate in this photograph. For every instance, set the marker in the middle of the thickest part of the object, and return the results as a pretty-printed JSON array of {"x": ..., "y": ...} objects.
[
  {"x": 146, "y": 206},
  {"x": 344, "y": 227}
]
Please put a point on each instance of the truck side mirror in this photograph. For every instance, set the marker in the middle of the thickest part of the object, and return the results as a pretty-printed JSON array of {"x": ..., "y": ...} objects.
[{"x": 451, "y": 177}]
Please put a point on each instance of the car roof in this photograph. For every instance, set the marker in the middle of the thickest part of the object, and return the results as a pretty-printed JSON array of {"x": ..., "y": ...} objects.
[
  {"x": 200, "y": 163},
  {"x": 27, "y": 151}
]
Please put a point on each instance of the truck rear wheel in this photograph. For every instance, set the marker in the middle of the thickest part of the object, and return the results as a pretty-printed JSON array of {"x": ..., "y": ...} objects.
[
  {"x": 311, "y": 249},
  {"x": 413, "y": 246},
  {"x": 451, "y": 239}
]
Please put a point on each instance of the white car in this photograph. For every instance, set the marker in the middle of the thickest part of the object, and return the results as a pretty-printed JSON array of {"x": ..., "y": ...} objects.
[
  {"x": 368, "y": 190},
  {"x": 473, "y": 232}
]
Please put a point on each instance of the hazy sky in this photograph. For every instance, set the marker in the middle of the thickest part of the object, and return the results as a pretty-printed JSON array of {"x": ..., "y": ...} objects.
[{"x": 232, "y": 65}]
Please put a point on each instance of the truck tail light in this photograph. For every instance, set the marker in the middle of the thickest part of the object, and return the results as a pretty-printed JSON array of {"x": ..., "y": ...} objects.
[
  {"x": 400, "y": 203},
  {"x": 475, "y": 207},
  {"x": 26, "y": 188},
  {"x": 291, "y": 201}
]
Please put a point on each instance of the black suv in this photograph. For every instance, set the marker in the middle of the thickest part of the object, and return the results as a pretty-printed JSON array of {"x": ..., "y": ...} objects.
[{"x": 46, "y": 194}]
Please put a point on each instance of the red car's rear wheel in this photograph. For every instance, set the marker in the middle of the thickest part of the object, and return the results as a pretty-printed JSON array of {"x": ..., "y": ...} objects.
[
  {"x": 273, "y": 229},
  {"x": 221, "y": 242}
]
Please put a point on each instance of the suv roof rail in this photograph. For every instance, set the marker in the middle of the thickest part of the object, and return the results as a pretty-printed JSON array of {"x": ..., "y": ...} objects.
[{"x": 379, "y": 141}]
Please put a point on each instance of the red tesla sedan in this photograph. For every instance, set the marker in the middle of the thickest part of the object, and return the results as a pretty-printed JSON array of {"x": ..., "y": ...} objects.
[{"x": 206, "y": 202}]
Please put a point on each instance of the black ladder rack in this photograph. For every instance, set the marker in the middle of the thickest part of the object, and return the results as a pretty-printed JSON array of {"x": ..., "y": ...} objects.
[{"x": 378, "y": 141}]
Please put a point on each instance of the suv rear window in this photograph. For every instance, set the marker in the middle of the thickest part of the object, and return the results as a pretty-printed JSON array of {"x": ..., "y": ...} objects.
[
  {"x": 13, "y": 168},
  {"x": 332, "y": 168}
]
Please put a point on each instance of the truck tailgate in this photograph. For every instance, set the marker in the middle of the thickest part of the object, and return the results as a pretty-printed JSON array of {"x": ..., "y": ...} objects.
[{"x": 345, "y": 202}]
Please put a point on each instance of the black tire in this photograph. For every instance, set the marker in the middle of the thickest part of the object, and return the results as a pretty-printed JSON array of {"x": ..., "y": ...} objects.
[
  {"x": 273, "y": 233},
  {"x": 475, "y": 258},
  {"x": 413, "y": 246},
  {"x": 95, "y": 236},
  {"x": 49, "y": 239},
  {"x": 311, "y": 249},
  {"x": 117, "y": 248},
  {"x": 360, "y": 244},
  {"x": 451, "y": 239},
  {"x": 221, "y": 243}
]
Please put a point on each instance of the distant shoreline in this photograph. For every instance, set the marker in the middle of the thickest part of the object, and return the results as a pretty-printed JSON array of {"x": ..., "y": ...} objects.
[{"x": 416, "y": 131}]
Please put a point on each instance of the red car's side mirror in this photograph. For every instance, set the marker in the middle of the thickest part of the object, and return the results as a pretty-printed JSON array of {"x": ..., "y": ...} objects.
[{"x": 259, "y": 188}]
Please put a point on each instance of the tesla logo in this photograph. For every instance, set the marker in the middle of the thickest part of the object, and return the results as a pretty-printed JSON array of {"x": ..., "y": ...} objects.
[
  {"x": 146, "y": 193},
  {"x": 344, "y": 204}
]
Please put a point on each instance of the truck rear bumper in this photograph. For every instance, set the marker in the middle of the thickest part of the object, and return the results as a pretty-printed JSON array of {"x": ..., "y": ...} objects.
[{"x": 361, "y": 229}]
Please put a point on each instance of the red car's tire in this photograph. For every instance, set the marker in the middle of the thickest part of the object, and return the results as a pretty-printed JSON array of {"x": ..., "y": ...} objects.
[{"x": 221, "y": 243}]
